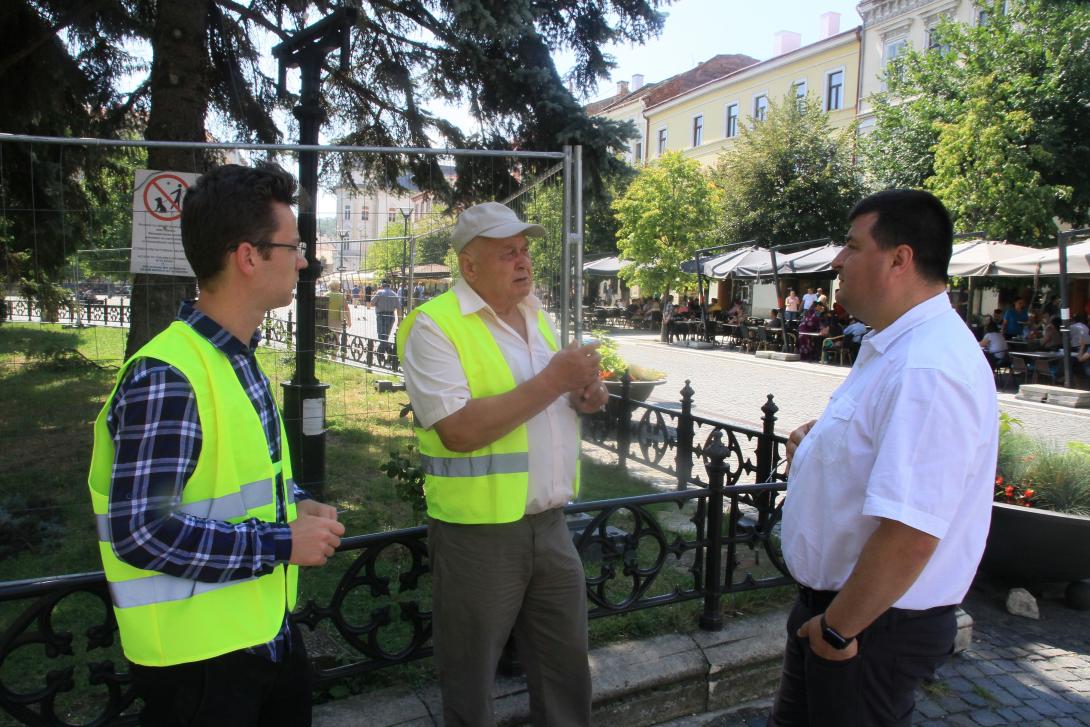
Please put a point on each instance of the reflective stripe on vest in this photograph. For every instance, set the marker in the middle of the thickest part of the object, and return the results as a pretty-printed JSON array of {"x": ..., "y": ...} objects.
[
  {"x": 486, "y": 464},
  {"x": 490, "y": 484},
  {"x": 163, "y": 619}
]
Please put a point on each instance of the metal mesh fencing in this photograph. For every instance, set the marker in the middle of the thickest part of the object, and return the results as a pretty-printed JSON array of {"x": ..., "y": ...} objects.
[{"x": 68, "y": 213}]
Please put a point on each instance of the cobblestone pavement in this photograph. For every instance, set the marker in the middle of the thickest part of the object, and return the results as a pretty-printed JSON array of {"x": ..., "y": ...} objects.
[
  {"x": 1017, "y": 671},
  {"x": 733, "y": 386}
]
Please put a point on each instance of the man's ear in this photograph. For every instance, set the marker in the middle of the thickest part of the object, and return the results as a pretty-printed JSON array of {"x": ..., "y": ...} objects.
[
  {"x": 468, "y": 265},
  {"x": 903, "y": 260},
  {"x": 243, "y": 259}
]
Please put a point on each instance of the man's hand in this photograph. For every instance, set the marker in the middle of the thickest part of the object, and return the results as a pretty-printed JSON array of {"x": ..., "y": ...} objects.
[
  {"x": 796, "y": 437},
  {"x": 314, "y": 538},
  {"x": 574, "y": 368},
  {"x": 590, "y": 399},
  {"x": 313, "y": 507},
  {"x": 811, "y": 630}
]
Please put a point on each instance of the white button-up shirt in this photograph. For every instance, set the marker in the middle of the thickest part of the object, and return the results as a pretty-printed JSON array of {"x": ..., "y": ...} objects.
[
  {"x": 437, "y": 387},
  {"x": 911, "y": 435}
]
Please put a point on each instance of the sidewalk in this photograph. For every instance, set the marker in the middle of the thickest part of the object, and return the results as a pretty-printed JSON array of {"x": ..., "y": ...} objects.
[{"x": 732, "y": 386}]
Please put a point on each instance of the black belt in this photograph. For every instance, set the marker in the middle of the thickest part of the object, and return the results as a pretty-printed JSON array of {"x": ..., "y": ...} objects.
[{"x": 816, "y": 600}]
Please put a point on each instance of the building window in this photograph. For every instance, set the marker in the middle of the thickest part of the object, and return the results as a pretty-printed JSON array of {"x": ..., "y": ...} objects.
[
  {"x": 933, "y": 43},
  {"x": 760, "y": 107},
  {"x": 347, "y": 212},
  {"x": 662, "y": 141},
  {"x": 391, "y": 215},
  {"x": 834, "y": 90},
  {"x": 800, "y": 94},
  {"x": 637, "y": 152},
  {"x": 698, "y": 129},
  {"x": 732, "y": 120},
  {"x": 891, "y": 52},
  {"x": 365, "y": 213}
]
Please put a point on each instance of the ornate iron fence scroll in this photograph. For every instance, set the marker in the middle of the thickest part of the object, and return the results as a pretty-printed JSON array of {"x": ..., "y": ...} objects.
[{"x": 379, "y": 614}]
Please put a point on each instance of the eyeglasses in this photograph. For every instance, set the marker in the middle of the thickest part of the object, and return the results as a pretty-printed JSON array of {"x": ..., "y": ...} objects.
[{"x": 300, "y": 247}]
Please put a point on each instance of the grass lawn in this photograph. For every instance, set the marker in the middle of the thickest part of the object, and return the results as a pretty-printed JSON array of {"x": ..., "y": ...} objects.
[{"x": 53, "y": 382}]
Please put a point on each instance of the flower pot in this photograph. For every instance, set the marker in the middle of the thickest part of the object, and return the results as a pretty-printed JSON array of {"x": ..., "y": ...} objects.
[
  {"x": 1027, "y": 545},
  {"x": 637, "y": 390}
]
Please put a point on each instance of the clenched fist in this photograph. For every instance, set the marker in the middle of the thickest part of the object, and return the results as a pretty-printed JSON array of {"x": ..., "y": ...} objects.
[
  {"x": 574, "y": 368},
  {"x": 314, "y": 539}
]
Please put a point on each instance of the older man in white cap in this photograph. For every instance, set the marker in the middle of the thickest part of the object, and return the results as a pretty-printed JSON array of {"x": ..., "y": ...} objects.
[{"x": 495, "y": 402}]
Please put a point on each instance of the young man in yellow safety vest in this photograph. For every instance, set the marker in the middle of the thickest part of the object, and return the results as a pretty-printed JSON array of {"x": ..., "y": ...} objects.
[
  {"x": 495, "y": 405},
  {"x": 201, "y": 527}
]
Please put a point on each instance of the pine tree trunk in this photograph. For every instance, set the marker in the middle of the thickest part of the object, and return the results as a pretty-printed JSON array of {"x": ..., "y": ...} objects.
[{"x": 179, "y": 104}]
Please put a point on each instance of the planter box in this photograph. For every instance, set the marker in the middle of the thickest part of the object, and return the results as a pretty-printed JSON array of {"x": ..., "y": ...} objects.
[
  {"x": 637, "y": 390},
  {"x": 1027, "y": 546}
]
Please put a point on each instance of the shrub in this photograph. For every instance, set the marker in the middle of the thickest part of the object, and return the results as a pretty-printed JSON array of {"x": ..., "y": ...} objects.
[{"x": 1032, "y": 473}]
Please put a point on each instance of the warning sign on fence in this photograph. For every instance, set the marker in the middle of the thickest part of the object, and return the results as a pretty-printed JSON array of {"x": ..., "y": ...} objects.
[{"x": 156, "y": 222}]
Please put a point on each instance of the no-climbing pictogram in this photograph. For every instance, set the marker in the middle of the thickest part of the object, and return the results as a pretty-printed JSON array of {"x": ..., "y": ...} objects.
[{"x": 163, "y": 196}]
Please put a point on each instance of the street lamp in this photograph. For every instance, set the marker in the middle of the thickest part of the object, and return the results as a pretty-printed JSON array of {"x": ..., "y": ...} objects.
[
  {"x": 340, "y": 257},
  {"x": 407, "y": 213}
]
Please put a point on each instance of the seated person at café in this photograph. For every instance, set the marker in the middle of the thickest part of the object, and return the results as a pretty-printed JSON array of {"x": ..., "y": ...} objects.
[
  {"x": 774, "y": 321},
  {"x": 853, "y": 334},
  {"x": 1080, "y": 343},
  {"x": 737, "y": 312},
  {"x": 1033, "y": 329},
  {"x": 994, "y": 343},
  {"x": 1050, "y": 336},
  {"x": 809, "y": 326},
  {"x": 833, "y": 334},
  {"x": 1015, "y": 318}
]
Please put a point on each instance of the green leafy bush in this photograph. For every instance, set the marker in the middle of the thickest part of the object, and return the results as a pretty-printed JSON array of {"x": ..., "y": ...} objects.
[{"x": 1032, "y": 473}]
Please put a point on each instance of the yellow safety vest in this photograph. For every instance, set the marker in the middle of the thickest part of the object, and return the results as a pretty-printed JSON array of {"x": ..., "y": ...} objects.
[
  {"x": 167, "y": 620},
  {"x": 488, "y": 485}
]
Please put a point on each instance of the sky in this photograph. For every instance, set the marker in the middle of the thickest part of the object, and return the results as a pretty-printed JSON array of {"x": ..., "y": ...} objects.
[{"x": 695, "y": 30}]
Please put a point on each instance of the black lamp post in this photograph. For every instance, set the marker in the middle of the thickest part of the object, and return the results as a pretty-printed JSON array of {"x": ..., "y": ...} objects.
[{"x": 304, "y": 395}]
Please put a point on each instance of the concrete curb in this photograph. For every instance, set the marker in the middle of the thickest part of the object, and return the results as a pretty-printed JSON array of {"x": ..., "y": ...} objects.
[
  {"x": 635, "y": 683},
  {"x": 681, "y": 679}
]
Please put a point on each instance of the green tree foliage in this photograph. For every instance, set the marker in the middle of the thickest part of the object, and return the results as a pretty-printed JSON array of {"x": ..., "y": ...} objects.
[
  {"x": 65, "y": 61},
  {"x": 995, "y": 122},
  {"x": 667, "y": 213},
  {"x": 432, "y": 240},
  {"x": 788, "y": 178}
]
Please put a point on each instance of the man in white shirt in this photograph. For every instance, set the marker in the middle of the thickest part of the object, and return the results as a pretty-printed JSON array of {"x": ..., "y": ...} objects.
[
  {"x": 808, "y": 299},
  {"x": 889, "y": 494},
  {"x": 495, "y": 405}
]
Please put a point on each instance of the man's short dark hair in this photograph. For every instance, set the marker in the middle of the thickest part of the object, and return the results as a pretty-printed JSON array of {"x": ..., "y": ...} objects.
[
  {"x": 228, "y": 205},
  {"x": 915, "y": 218}
]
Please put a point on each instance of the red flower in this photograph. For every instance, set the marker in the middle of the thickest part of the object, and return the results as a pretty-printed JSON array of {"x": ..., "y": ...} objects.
[
  {"x": 1028, "y": 494},
  {"x": 1009, "y": 491},
  {"x": 999, "y": 481}
]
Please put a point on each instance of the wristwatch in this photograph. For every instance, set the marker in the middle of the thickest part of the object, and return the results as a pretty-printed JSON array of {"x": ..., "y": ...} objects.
[{"x": 833, "y": 637}]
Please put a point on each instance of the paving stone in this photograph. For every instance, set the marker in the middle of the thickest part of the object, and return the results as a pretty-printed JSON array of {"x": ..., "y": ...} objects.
[
  {"x": 998, "y": 692},
  {"x": 1046, "y": 707},
  {"x": 989, "y": 667},
  {"x": 968, "y": 671},
  {"x": 1028, "y": 713},
  {"x": 953, "y": 703},
  {"x": 986, "y": 717},
  {"x": 926, "y": 707},
  {"x": 1068, "y": 722},
  {"x": 1015, "y": 686},
  {"x": 1008, "y": 714}
]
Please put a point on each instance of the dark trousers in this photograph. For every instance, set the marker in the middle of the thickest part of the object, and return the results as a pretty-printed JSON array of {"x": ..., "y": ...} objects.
[
  {"x": 237, "y": 689},
  {"x": 876, "y": 687},
  {"x": 490, "y": 581}
]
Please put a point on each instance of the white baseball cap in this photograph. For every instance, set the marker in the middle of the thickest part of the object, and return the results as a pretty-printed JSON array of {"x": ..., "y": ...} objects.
[{"x": 490, "y": 219}]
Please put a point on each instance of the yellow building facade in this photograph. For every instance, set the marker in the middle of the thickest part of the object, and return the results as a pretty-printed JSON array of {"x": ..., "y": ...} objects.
[{"x": 706, "y": 121}]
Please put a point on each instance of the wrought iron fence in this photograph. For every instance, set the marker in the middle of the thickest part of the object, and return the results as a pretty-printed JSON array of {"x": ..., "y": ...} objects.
[
  {"x": 378, "y": 614},
  {"x": 89, "y": 312}
]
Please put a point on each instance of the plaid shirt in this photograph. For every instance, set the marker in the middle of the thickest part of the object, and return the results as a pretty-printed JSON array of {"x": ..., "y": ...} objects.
[{"x": 157, "y": 440}]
